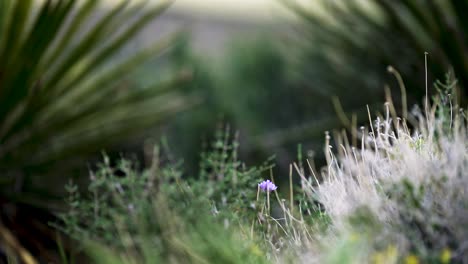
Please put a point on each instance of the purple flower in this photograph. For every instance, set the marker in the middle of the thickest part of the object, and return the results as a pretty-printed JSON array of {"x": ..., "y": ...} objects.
[{"x": 267, "y": 186}]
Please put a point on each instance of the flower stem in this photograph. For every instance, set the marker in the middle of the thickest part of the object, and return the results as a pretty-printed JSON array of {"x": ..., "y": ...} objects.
[{"x": 268, "y": 202}]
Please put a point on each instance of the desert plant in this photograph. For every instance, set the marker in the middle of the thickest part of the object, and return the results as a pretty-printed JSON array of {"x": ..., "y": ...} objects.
[
  {"x": 63, "y": 93},
  {"x": 345, "y": 47},
  {"x": 401, "y": 195},
  {"x": 157, "y": 215}
]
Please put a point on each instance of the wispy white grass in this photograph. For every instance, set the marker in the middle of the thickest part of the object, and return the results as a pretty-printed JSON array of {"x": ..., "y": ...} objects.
[{"x": 393, "y": 164}]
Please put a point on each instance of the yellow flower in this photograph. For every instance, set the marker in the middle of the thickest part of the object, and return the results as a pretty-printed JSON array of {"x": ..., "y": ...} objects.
[
  {"x": 378, "y": 258},
  {"x": 445, "y": 256},
  {"x": 411, "y": 259},
  {"x": 255, "y": 250},
  {"x": 391, "y": 252},
  {"x": 354, "y": 237},
  {"x": 389, "y": 255}
]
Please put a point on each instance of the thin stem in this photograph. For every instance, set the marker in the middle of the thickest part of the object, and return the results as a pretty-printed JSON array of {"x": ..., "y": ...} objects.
[
  {"x": 268, "y": 202},
  {"x": 402, "y": 89},
  {"x": 258, "y": 192},
  {"x": 291, "y": 187},
  {"x": 427, "y": 92}
]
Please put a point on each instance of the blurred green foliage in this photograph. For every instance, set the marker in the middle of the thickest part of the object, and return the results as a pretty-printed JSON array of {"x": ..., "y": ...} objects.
[
  {"x": 346, "y": 47},
  {"x": 65, "y": 91},
  {"x": 278, "y": 89},
  {"x": 253, "y": 88}
]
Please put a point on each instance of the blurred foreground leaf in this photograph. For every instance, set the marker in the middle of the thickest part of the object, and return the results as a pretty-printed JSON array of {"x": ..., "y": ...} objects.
[{"x": 63, "y": 89}]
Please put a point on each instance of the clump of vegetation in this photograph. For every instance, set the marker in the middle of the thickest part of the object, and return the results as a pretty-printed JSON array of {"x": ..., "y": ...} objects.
[
  {"x": 174, "y": 218},
  {"x": 400, "y": 196},
  {"x": 394, "y": 192}
]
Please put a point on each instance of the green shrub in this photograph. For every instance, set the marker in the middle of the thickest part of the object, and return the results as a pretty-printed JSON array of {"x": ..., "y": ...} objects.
[{"x": 176, "y": 218}]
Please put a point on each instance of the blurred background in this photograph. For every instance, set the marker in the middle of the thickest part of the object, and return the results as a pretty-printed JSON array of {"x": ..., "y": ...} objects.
[
  {"x": 79, "y": 78},
  {"x": 283, "y": 72}
]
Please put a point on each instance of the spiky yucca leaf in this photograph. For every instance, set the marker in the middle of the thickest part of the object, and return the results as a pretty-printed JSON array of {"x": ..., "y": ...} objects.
[
  {"x": 346, "y": 47},
  {"x": 61, "y": 90}
]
